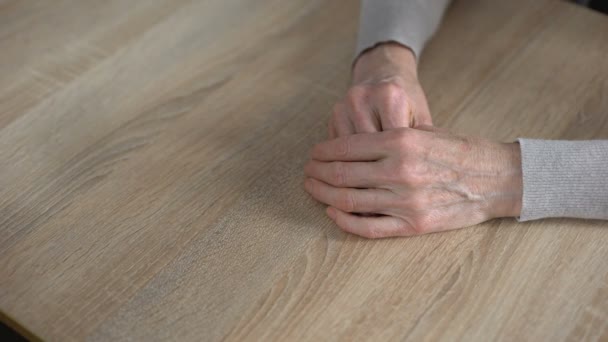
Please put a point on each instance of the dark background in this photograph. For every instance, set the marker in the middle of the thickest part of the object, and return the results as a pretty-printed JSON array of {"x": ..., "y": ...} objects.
[
  {"x": 8, "y": 335},
  {"x": 599, "y": 5}
]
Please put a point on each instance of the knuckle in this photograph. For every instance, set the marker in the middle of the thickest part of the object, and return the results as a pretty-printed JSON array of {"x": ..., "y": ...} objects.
[
  {"x": 356, "y": 102},
  {"x": 401, "y": 139},
  {"x": 391, "y": 90},
  {"x": 347, "y": 202},
  {"x": 339, "y": 174},
  {"x": 405, "y": 138},
  {"x": 344, "y": 145},
  {"x": 358, "y": 113},
  {"x": 422, "y": 225}
]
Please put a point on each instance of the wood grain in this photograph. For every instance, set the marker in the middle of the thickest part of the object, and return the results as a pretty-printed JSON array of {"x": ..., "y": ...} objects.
[{"x": 151, "y": 155}]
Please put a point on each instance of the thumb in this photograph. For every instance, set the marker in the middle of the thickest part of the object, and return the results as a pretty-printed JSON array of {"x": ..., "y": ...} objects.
[
  {"x": 423, "y": 120},
  {"x": 433, "y": 129}
]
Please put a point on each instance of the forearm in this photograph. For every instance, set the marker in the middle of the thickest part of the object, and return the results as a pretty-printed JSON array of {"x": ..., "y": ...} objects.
[
  {"x": 407, "y": 22},
  {"x": 564, "y": 179},
  {"x": 391, "y": 36}
]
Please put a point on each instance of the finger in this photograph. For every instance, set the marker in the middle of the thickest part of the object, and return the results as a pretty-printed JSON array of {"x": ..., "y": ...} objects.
[
  {"x": 434, "y": 129},
  {"x": 364, "y": 119},
  {"x": 342, "y": 123},
  {"x": 366, "y": 122},
  {"x": 419, "y": 119},
  {"x": 345, "y": 174},
  {"x": 394, "y": 110},
  {"x": 369, "y": 227},
  {"x": 357, "y": 147},
  {"x": 349, "y": 199},
  {"x": 331, "y": 131},
  {"x": 421, "y": 113}
]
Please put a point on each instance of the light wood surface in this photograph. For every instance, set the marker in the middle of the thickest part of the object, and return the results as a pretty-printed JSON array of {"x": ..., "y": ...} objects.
[{"x": 151, "y": 184}]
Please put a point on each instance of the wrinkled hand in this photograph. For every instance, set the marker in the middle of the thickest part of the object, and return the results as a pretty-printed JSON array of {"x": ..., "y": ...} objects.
[
  {"x": 418, "y": 181},
  {"x": 385, "y": 94}
]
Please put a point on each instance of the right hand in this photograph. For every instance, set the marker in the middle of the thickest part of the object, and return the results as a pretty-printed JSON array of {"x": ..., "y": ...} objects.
[
  {"x": 385, "y": 94},
  {"x": 415, "y": 181}
]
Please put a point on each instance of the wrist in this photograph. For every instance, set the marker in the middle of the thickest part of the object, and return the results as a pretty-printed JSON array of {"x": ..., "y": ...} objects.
[
  {"x": 507, "y": 199},
  {"x": 383, "y": 61}
]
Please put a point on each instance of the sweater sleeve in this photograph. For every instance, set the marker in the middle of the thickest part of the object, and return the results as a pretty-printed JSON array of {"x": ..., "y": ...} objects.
[
  {"x": 408, "y": 22},
  {"x": 564, "y": 179}
]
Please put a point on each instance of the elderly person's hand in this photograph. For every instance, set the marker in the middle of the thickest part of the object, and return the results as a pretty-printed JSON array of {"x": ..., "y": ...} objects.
[
  {"x": 416, "y": 181},
  {"x": 385, "y": 94}
]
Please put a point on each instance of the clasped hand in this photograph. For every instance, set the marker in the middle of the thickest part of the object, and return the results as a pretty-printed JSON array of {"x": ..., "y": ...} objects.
[{"x": 381, "y": 177}]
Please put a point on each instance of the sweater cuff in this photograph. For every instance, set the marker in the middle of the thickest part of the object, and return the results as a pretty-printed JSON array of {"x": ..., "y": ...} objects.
[
  {"x": 410, "y": 23},
  {"x": 564, "y": 179}
]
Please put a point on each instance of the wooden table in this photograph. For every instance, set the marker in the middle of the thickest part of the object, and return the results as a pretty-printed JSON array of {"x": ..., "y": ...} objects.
[{"x": 151, "y": 159}]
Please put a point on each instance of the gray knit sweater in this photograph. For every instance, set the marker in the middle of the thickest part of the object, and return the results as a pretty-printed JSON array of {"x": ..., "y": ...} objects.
[{"x": 560, "y": 178}]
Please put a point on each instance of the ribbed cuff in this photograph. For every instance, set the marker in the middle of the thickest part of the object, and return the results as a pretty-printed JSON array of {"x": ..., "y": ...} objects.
[
  {"x": 407, "y": 22},
  {"x": 564, "y": 179}
]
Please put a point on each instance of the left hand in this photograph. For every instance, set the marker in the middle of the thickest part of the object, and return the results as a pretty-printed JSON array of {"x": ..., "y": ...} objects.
[
  {"x": 419, "y": 181},
  {"x": 385, "y": 94}
]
